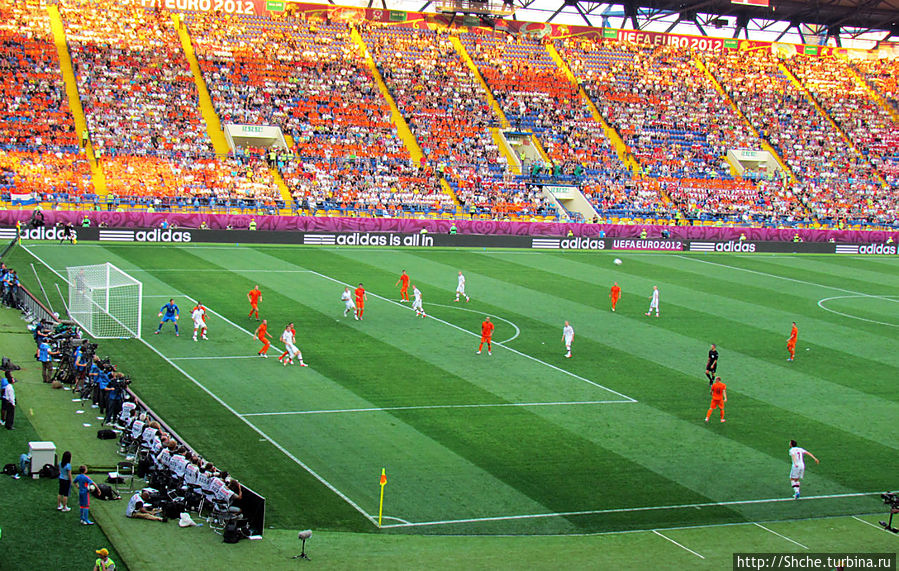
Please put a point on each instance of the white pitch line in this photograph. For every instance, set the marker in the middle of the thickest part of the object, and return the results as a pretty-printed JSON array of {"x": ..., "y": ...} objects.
[
  {"x": 219, "y": 270},
  {"x": 785, "y": 278},
  {"x": 874, "y": 526},
  {"x": 399, "y": 519},
  {"x": 512, "y": 338},
  {"x": 214, "y": 358},
  {"x": 641, "y": 509},
  {"x": 228, "y": 407},
  {"x": 821, "y": 305},
  {"x": 466, "y": 331},
  {"x": 433, "y": 407},
  {"x": 678, "y": 544},
  {"x": 779, "y": 535}
]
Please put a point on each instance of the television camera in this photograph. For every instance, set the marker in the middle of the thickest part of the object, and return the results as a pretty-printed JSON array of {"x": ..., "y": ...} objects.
[{"x": 891, "y": 499}]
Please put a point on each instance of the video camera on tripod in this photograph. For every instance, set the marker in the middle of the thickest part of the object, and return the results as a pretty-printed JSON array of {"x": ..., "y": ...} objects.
[
  {"x": 891, "y": 499},
  {"x": 69, "y": 357}
]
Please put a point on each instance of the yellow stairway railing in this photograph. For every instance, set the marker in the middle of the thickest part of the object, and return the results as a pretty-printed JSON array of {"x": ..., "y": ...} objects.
[
  {"x": 811, "y": 98},
  {"x": 614, "y": 137},
  {"x": 399, "y": 121},
  {"x": 491, "y": 100},
  {"x": 98, "y": 177},
  {"x": 733, "y": 104},
  {"x": 213, "y": 125}
]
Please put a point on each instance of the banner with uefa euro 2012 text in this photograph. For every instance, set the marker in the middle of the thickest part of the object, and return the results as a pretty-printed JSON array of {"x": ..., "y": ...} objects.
[{"x": 237, "y": 7}]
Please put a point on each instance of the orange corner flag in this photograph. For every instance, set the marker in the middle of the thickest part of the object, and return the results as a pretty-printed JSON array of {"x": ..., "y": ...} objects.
[{"x": 383, "y": 476}]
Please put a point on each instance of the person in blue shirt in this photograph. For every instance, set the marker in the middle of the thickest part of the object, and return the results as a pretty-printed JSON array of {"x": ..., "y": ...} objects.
[
  {"x": 45, "y": 355},
  {"x": 81, "y": 365},
  {"x": 65, "y": 482},
  {"x": 169, "y": 312},
  {"x": 102, "y": 394},
  {"x": 113, "y": 399},
  {"x": 83, "y": 483}
]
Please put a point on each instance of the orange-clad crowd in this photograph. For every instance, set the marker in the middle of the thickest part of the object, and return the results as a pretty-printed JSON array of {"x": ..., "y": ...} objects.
[{"x": 39, "y": 149}]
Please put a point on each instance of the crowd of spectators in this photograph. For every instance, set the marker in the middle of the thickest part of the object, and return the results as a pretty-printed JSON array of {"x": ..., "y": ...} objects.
[
  {"x": 136, "y": 87},
  {"x": 847, "y": 100},
  {"x": 664, "y": 107},
  {"x": 39, "y": 151},
  {"x": 882, "y": 74},
  {"x": 535, "y": 94},
  {"x": 142, "y": 110},
  {"x": 443, "y": 103},
  {"x": 833, "y": 181}
]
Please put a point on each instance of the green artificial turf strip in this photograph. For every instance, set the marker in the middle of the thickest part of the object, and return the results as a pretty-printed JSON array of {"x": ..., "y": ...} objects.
[
  {"x": 837, "y": 398},
  {"x": 34, "y": 534}
]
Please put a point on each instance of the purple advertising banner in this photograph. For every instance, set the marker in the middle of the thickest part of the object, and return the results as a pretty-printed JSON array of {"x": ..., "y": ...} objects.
[{"x": 409, "y": 226}]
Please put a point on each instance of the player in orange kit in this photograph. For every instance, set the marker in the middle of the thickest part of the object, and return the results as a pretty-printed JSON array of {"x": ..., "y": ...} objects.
[
  {"x": 254, "y": 296},
  {"x": 615, "y": 295},
  {"x": 486, "y": 336},
  {"x": 791, "y": 342},
  {"x": 719, "y": 397},
  {"x": 261, "y": 334},
  {"x": 360, "y": 301},
  {"x": 404, "y": 288}
]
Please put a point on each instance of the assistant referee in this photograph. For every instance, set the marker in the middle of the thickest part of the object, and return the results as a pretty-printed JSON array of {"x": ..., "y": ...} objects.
[{"x": 711, "y": 367}]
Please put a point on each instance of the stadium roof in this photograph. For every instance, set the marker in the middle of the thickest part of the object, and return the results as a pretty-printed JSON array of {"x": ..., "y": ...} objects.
[{"x": 844, "y": 23}]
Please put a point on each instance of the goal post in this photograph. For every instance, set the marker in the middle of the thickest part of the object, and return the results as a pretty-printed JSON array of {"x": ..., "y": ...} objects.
[{"x": 105, "y": 301}]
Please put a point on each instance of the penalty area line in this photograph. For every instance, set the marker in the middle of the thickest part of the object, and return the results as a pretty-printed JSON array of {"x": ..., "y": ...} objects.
[
  {"x": 230, "y": 409},
  {"x": 627, "y": 510},
  {"x": 678, "y": 544},
  {"x": 467, "y": 332},
  {"x": 779, "y": 535},
  {"x": 858, "y": 293},
  {"x": 433, "y": 407}
]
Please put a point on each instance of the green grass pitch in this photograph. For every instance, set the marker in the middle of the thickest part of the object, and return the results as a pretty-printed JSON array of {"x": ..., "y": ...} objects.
[{"x": 524, "y": 441}]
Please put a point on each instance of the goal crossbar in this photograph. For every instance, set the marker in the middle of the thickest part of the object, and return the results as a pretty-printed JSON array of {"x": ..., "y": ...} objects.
[{"x": 105, "y": 301}]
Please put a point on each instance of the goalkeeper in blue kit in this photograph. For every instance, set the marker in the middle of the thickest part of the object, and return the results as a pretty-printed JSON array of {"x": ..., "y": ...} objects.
[{"x": 169, "y": 312}]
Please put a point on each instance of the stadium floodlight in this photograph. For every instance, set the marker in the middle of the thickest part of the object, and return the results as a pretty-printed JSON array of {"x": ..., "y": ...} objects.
[{"x": 105, "y": 301}]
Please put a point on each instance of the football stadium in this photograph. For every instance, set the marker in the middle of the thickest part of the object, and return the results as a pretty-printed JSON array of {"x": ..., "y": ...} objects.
[{"x": 467, "y": 284}]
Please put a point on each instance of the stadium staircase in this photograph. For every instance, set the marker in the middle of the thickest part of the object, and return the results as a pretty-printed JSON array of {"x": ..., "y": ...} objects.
[
  {"x": 617, "y": 142},
  {"x": 402, "y": 127},
  {"x": 873, "y": 93},
  {"x": 98, "y": 177},
  {"x": 766, "y": 146},
  {"x": 788, "y": 73},
  {"x": 213, "y": 125},
  {"x": 207, "y": 109},
  {"x": 511, "y": 159}
]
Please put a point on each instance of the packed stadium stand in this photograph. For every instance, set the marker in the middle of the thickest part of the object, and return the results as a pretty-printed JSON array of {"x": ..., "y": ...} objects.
[
  {"x": 642, "y": 131},
  {"x": 834, "y": 180},
  {"x": 536, "y": 95},
  {"x": 39, "y": 147},
  {"x": 310, "y": 80},
  {"x": 142, "y": 110}
]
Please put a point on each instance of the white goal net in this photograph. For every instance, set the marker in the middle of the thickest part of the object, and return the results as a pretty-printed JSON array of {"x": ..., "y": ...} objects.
[{"x": 105, "y": 301}]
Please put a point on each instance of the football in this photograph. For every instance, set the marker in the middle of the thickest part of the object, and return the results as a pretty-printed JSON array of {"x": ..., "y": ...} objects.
[{"x": 617, "y": 261}]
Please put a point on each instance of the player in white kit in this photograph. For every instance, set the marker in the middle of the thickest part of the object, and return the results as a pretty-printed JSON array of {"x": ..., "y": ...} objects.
[
  {"x": 654, "y": 301},
  {"x": 349, "y": 306},
  {"x": 291, "y": 352},
  {"x": 198, "y": 314},
  {"x": 416, "y": 302},
  {"x": 460, "y": 289},
  {"x": 797, "y": 471},
  {"x": 568, "y": 337}
]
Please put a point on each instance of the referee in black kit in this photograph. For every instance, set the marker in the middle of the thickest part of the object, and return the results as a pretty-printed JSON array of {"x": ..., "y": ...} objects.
[{"x": 712, "y": 366}]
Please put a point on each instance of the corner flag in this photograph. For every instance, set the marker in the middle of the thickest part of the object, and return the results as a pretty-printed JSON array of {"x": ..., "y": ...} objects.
[{"x": 383, "y": 483}]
